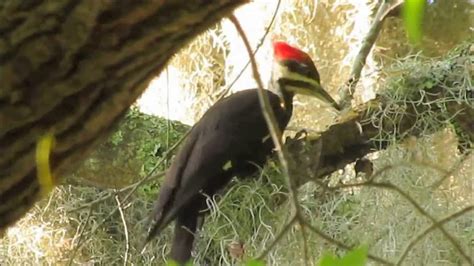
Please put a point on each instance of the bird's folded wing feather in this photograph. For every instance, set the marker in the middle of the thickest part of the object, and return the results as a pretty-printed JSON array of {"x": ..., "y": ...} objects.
[{"x": 217, "y": 138}]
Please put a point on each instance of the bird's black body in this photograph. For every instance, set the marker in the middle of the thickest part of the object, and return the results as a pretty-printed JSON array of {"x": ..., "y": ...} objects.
[
  {"x": 233, "y": 130},
  {"x": 231, "y": 139}
]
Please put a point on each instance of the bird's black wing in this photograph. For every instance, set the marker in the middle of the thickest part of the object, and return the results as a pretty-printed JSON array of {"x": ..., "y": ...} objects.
[{"x": 232, "y": 129}]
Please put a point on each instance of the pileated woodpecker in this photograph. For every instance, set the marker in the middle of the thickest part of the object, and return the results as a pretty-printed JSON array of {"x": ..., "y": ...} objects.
[{"x": 231, "y": 139}]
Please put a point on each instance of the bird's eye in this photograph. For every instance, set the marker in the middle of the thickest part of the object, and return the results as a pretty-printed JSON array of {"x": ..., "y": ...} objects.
[
  {"x": 300, "y": 68},
  {"x": 307, "y": 72},
  {"x": 304, "y": 69}
]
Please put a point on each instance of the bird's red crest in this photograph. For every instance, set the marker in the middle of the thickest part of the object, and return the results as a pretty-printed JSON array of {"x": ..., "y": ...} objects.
[{"x": 284, "y": 51}]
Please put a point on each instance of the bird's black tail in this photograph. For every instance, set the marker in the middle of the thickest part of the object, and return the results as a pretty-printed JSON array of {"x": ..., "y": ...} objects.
[{"x": 184, "y": 231}]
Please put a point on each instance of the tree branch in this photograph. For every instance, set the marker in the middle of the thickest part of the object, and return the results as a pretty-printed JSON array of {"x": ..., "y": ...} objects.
[
  {"x": 406, "y": 196},
  {"x": 347, "y": 90},
  {"x": 270, "y": 119},
  {"x": 342, "y": 245},
  {"x": 432, "y": 227}
]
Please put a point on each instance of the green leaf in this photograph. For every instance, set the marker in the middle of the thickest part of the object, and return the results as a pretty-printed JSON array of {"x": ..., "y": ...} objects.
[
  {"x": 254, "y": 263},
  {"x": 413, "y": 16},
  {"x": 171, "y": 263},
  {"x": 328, "y": 260},
  {"x": 355, "y": 257}
]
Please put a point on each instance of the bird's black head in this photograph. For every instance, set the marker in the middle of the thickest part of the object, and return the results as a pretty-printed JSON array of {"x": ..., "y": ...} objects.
[{"x": 295, "y": 73}]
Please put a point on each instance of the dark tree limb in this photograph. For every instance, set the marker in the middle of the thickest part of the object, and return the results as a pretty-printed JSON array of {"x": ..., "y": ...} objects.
[
  {"x": 72, "y": 68},
  {"x": 357, "y": 133}
]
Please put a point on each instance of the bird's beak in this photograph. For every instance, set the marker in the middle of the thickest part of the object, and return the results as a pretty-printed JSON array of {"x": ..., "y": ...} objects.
[
  {"x": 301, "y": 84},
  {"x": 319, "y": 92}
]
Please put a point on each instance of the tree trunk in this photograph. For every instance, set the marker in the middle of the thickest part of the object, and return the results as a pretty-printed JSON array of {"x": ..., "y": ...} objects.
[{"x": 72, "y": 68}]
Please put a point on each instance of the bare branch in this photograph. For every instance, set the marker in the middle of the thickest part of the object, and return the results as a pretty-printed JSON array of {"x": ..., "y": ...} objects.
[
  {"x": 342, "y": 245},
  {"x": 449, "y": 173},
  {"x": 347, "y": 90},
  {"x": 417, "y": 206},
  {"x": 278, "y": 237},
  {"x": 262, "y": 40},
  {"x": 270, "y": 119},
  {"x": 133, "y": 187},
  {"x": 432, "y": 227},
  {"x": 81, "y": 235},
  {"x": 305, "y": 243},
  {"x": 275, "y": 132},
  {"x": 125, "y": 229}
]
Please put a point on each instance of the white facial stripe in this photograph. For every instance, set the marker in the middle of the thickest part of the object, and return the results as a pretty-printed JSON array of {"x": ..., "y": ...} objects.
[
  {"x": 298, "y": 90},
  {"x": 282, "y": 71},
  {"x": 296, "y": 76}
]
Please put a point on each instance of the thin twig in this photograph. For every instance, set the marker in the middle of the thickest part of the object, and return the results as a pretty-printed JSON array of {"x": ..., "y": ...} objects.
[
  {"x": 415, "y": 204},
  {"x": 305, "y": 243},
  {"x": 435, "y": 223},
  {"x": 119, "y": 191},
  {"x": 342, "y": 245},
  {"x": 448, "y": 236},
  {"x": 79, "y": 241},
  {"x": 51, "y": 196},
  {"x": 125, "y": 228},
  {"x": 275, "y": 131},
  {"x": 277, "y": 239},
  {"x": 347, "y": 89},
  {"x": 165, "y": 156},
  {"x": 432, "y": 227},
  {"x": 451, "y": 172},
  {"x": 259, "y": 45},
  {"x": 270, "y": 119},
  {"x": 135, "y": 186}
]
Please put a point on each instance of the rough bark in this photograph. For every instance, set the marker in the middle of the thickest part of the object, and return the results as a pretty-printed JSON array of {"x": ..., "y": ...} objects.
[{"x": 72, "y": 68}]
